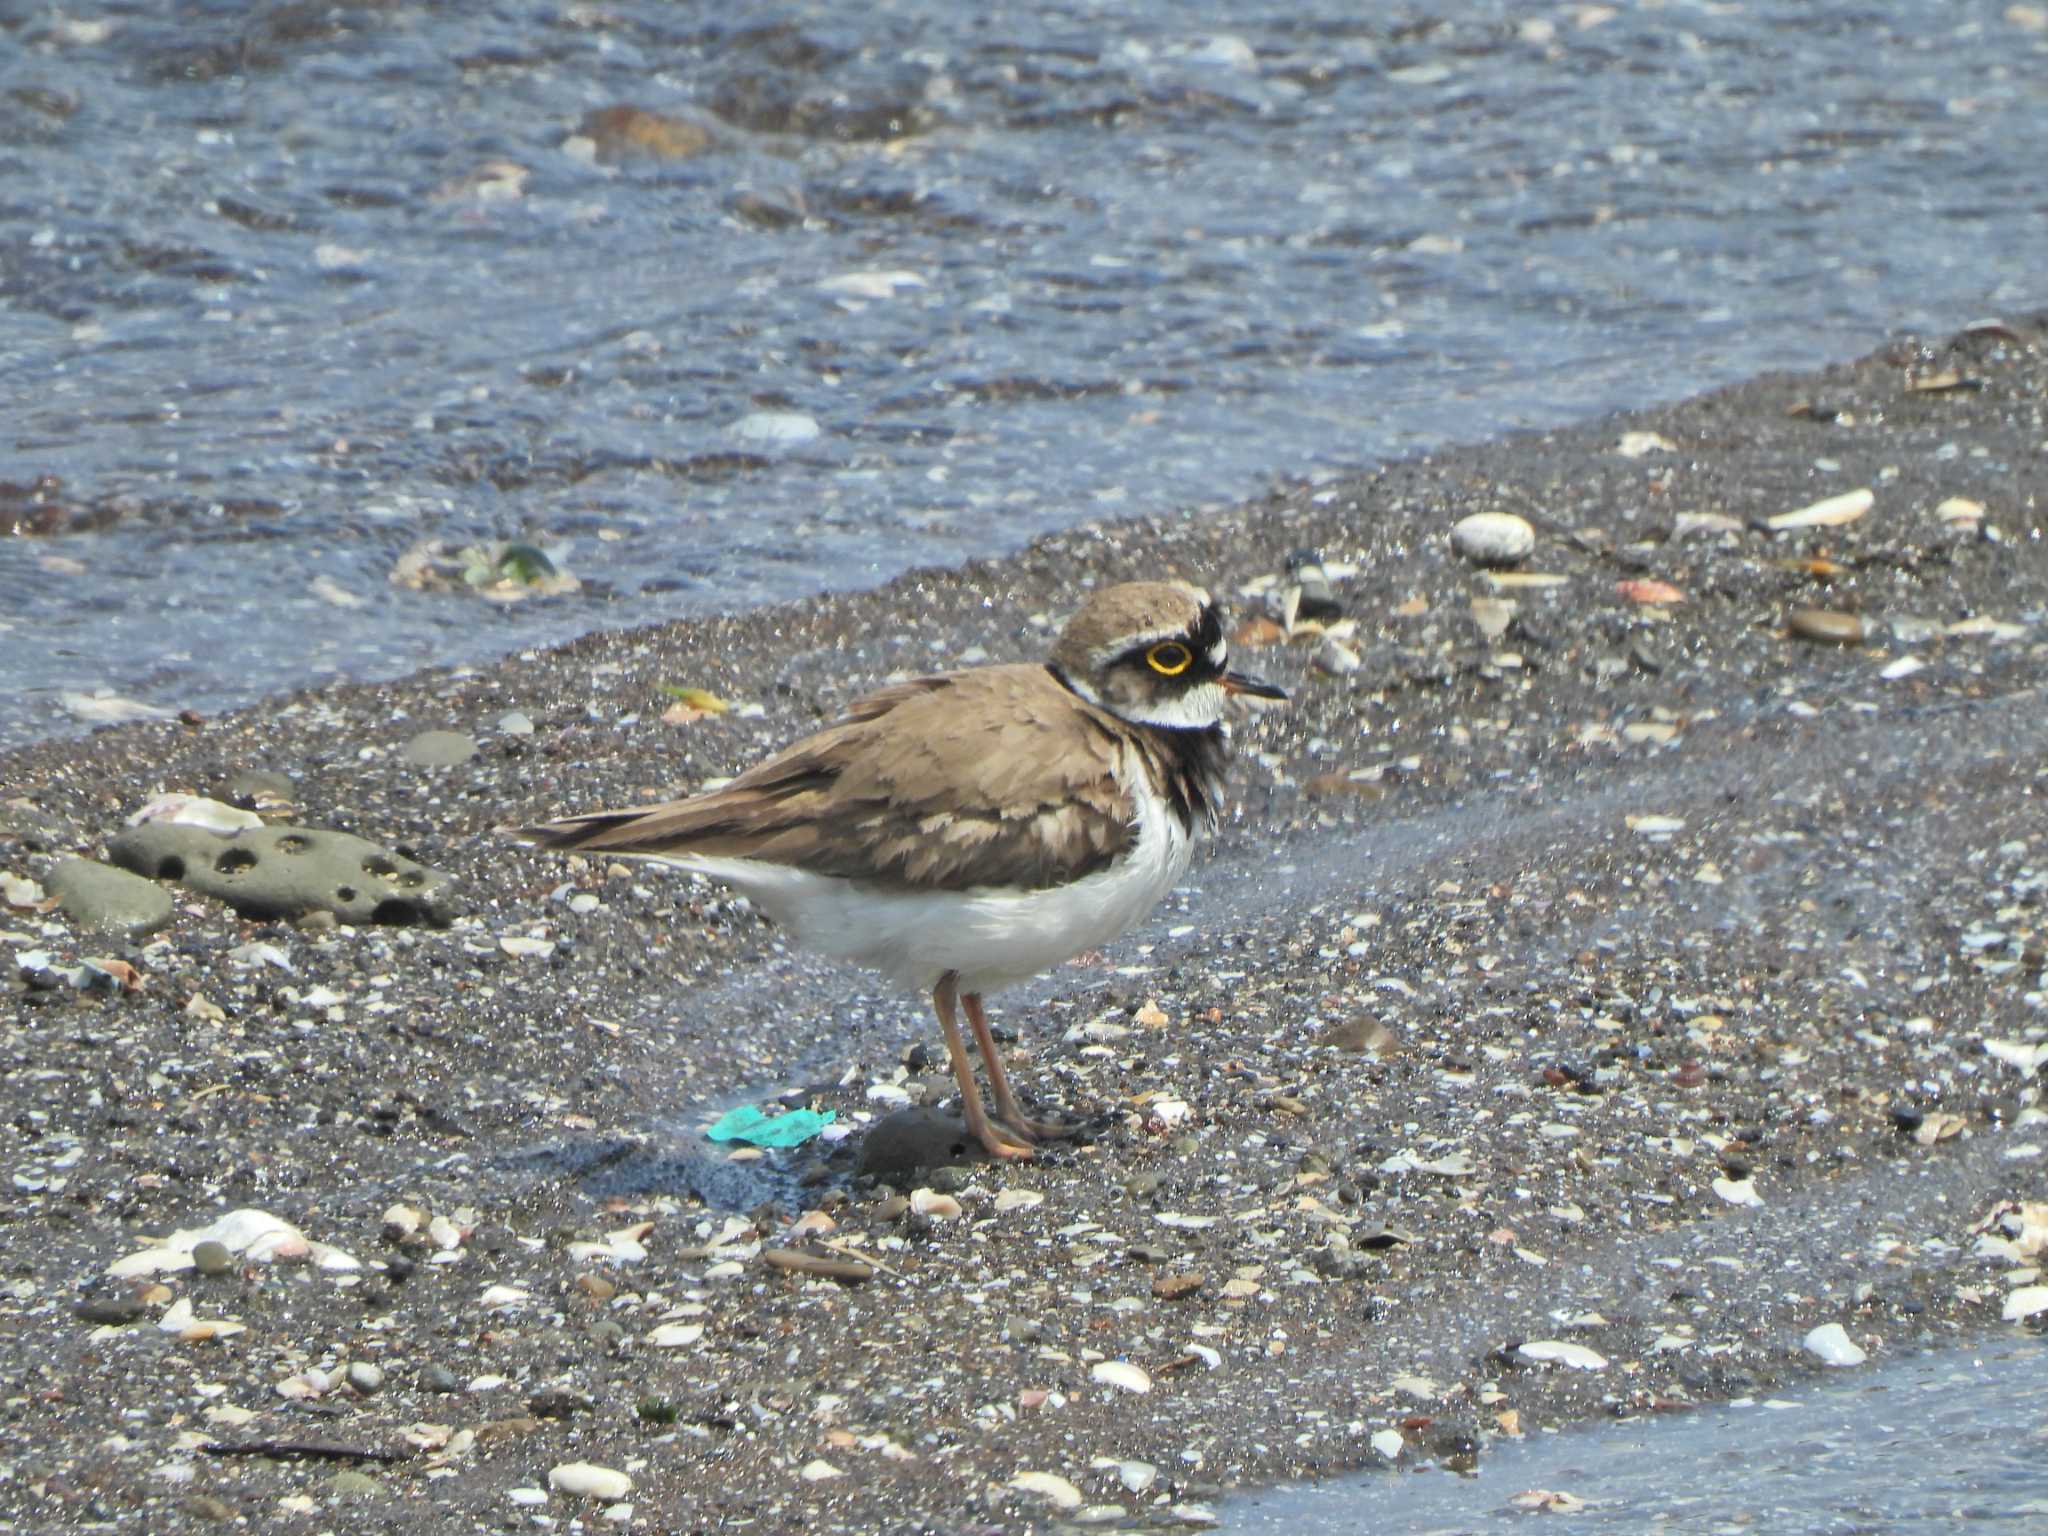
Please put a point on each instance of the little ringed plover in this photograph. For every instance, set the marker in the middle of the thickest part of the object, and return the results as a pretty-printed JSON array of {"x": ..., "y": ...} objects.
[{"x": 962, "y": 832}]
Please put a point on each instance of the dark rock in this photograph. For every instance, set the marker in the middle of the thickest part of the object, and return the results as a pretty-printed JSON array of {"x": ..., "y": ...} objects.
[{"x": 913, "y": 1139}]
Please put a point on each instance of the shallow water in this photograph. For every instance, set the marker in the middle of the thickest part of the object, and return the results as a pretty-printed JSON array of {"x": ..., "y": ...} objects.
[
  {"x": 1151, "y": 257},
  {"x": 1945, "y": 1441}
]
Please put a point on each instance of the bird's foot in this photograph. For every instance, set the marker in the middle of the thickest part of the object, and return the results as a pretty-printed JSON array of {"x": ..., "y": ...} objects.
[
  {"x": 1030, "y": 1128},
  {"x": 992, "y": 1142}
]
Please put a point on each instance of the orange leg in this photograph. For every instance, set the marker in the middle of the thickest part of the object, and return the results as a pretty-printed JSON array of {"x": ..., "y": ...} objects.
[
  {"x": 1008, "y": 1112},
  {"x": 944, "y": 995}
]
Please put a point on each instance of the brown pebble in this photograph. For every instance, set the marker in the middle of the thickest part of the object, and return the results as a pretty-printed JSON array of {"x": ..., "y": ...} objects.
[
  {"x": 1326, "y": 786},
  {"x": 1363, "y": 1035},
  {"x": 795, "y": 1261},
  {"x": 623, "y": 131},
  {"x": 892, "y": 1208},
  {"x": 1826, "y": 625},
  {"x": 507, "y": 1429},
  {"x": 596, "y": 1287},
  {"x": 1181, "y": 1283}
]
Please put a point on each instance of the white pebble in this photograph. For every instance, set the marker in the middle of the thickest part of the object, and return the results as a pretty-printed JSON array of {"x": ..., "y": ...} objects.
[
  {"x": 1493, "y": 538},
  {"x": 1831, "y": 1343},
  {"x": 587, "y": 1477}
]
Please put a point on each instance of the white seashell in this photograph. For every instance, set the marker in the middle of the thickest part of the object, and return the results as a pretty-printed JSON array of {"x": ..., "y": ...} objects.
[
  {"x": 1388, "y": 1443},
  {"x": 676, "y": 1335},
  {"x": 1063, "y": 1494},
  {"x": 819, "y": 1471},
  {"x": 1829, "y": 513},
  {"x": 587, "y": 1477},
  {"x": 1831, "y": 1343},
  {"x": 1634, "y": 445},
  {"x": 929, "y": 1202},
  {"x": 1018, "y": 1199},
  {"x": 1738, "y": 1191},
  {"x": 1656, "y": 826},
  {"x": 2025, "y": 1302},
  {"x": 1122, "y": 1375},
  {"x": 196, "y": 811},
  {"x": 1563, "y": 1352}
]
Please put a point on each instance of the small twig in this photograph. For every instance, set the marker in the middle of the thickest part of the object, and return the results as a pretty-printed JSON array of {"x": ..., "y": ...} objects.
[
  {"x": 851, "y": 1252},
  {"x": 311, "y": 1450}
]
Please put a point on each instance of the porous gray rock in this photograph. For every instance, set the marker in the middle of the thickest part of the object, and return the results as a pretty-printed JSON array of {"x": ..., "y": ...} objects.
[
  {"x": 285, "y": 872},
  {"x": 914, "y": 1139},
  {"x": 108, "y": 900}
]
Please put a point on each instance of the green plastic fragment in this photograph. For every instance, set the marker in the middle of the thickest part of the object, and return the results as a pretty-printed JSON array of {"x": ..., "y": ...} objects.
[{"x": 748, "y": 1124}]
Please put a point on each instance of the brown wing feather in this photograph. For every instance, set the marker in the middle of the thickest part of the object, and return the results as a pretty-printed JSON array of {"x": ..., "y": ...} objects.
[{"x": 994, "y": 777}]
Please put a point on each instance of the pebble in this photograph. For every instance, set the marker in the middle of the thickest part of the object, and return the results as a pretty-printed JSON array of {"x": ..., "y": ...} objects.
[
  {"x": 351, "y": 1484},
  {"x": 110, "y": 1311},
  {"x": 212, "y": 1257},
  {"x": 103, "y": 899},
  {"x": 1337, "y": 658},
  {"x": 365, "y": 1377},
  {"x": 1831, "y": 1344},
  {"x": 1493, "y": 538},
  {"x": 587, "y": 1477},
  {"x": 515, "y": 722},
  {"x": 1826, "y": 626},
  {"x": 440, "y": 749},
  {"x": 1182, "y": 1283},
  {"x": 438, "y": 1378}
]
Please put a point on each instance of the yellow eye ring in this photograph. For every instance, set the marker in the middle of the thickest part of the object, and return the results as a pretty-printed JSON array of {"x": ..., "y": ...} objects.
[{"x": 1170, "y": 658}]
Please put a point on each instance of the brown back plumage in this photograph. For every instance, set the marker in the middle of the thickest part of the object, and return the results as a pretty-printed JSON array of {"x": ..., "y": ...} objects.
[{"x": 997, "y": 776}]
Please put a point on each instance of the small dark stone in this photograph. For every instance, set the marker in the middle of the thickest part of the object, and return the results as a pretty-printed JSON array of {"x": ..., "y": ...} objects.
[
  {"x": 558, "y": 1403},
  {"x": 438, "y": 1378},
  {"x": 212, "y": 1257},
  {"x": 949, "y": 1180},
  {"x": 114, "y": 1310}
]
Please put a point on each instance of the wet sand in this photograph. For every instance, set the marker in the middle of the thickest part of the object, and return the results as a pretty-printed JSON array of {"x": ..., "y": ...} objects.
[{"x": 1613, "y": 972}]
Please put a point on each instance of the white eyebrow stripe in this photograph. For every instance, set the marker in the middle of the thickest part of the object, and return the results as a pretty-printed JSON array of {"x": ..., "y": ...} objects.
[{"x": 1103, "y": 655}]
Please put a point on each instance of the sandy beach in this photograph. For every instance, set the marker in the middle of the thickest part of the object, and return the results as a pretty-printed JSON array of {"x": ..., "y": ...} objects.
[{"x": 1614, "y": 968}]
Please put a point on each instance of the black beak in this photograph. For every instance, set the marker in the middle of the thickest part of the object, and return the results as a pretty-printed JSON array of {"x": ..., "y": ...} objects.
[{"x": 1237, "y": 682}]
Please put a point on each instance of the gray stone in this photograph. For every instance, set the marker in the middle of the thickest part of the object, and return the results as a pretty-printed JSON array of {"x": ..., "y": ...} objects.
[
  {"x": 285, "y": 872},
  {"x": 212, "y": 1257},
  {"x": 439, "y": 749},
  {"x": 438, "y": 1378},
  {"x": 109, "y": 900},
  {"x": 351, "y": 1484},
  {"x": 365, "y": 1377},
  {"x": 914, "y": 1139},
  {"x": 1493, "y": 538}
]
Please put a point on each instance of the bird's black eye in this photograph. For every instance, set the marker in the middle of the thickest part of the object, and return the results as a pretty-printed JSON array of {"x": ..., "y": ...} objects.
[{"x": 1170, "y": 658}]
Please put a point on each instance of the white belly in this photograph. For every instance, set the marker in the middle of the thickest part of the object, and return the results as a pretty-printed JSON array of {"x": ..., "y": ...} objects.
[{"x": 992, "y": 937}]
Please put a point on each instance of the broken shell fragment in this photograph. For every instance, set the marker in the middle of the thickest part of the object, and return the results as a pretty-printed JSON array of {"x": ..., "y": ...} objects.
[
  {"x": 1832, "y": 512},
  {"x": 1826, "y": 625},
  {"x": 1122, "y": 1375}
]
